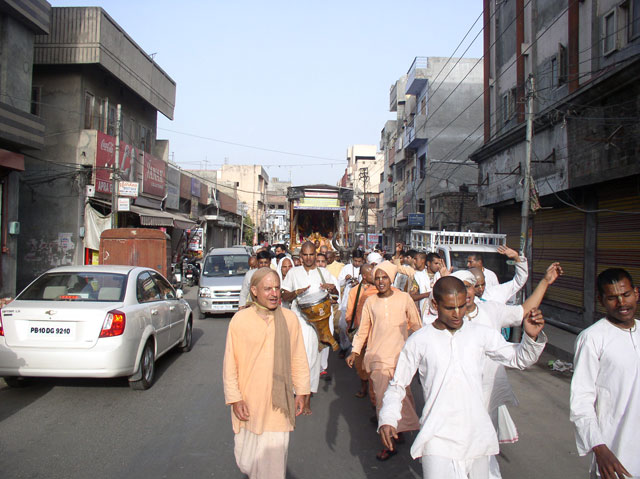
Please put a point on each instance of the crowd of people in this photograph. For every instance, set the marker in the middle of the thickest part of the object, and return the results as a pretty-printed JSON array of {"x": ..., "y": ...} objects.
[{"x": 391, "y": 316}]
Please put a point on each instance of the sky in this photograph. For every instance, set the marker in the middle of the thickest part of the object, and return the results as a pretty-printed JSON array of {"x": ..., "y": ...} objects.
[{"x": 303, "y": 79}]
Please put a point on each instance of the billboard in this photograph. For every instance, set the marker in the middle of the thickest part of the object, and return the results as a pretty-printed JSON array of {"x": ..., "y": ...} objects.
[
  {"x": 105, "y": 161},
  {"x": 173, "y": 189},
  {"x": 154, "y": 173}
]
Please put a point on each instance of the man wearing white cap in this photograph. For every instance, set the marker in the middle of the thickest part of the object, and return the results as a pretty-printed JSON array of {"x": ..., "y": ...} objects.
[{"x": 387, "y": 319}]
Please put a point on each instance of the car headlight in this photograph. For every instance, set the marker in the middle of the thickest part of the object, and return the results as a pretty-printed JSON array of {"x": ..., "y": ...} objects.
[{"x": 204, "y": 293}]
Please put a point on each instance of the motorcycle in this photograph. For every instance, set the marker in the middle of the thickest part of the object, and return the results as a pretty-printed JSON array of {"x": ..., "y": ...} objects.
[
  {"x": 176, "y": 275},
  {"x": 192, "y": 274}
]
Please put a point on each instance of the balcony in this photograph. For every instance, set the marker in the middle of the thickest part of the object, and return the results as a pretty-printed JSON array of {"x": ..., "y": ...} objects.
[
  {"x": 417, "y": 76},
  {"x": 19, "y": 128},
  {"x": 415, "y": 133},
  {"x": 396, "y": 98}
]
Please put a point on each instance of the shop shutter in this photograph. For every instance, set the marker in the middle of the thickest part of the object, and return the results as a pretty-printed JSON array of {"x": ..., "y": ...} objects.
[
  {"x": 558, "y": 235},
  {"x": 509, "y": 221},
  {"x": 618, "y": 240}
]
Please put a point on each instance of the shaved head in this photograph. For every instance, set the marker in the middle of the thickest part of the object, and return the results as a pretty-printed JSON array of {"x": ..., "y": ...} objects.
[
  {"x": 448, "y": 285},
  {"x": 308, "y": 246}
]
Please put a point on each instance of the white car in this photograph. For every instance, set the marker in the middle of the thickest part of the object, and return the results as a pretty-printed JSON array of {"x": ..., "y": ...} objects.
[{"x": 93, "y": 321}]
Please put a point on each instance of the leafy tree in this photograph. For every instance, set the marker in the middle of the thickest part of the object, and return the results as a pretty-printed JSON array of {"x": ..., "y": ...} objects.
[{"x": 247, "y": 231}]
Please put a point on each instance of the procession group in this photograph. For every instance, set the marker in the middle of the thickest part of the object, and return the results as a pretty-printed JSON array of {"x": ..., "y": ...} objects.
[{"x": 395, "y": 315}]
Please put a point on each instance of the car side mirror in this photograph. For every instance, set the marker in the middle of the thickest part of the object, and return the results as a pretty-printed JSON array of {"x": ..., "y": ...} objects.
[{"x": 179, "y": 293}]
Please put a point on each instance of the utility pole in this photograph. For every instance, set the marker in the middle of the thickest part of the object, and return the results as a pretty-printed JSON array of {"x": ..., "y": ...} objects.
[
  {"x": 364, "y": 176},
  {"x": 526, "y": 170},
  {"x": 116, "y": 172}
]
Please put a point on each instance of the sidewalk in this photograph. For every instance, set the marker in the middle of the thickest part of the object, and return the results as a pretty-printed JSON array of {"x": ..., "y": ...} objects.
[{"x": 561, "y": 343}]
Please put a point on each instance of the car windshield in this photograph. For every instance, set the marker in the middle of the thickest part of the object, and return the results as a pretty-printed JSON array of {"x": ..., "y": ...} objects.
[
  {"x": 76, "y": 286},
  {"x": 494, "y": 261},
  {"x": 225, "y": 265}
]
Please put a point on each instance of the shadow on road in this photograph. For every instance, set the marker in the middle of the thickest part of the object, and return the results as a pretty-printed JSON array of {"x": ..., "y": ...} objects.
[
  {"x": 13, "y": 400},
  {"x": 364, "y": 441}
]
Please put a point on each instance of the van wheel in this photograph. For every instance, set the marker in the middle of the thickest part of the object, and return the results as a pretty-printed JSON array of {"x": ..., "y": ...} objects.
[
  {"x": 16, "y": 381},
  {"x": 147, "y": 369}
]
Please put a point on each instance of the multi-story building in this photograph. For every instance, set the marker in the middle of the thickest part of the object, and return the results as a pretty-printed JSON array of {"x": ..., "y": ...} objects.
[
  {"x": 252, "y": 182},
  {"x": 22, "y": 132},
  {"x": 83, "y": 70},
  {"x": 364, "y": 172},
  {"x": 584, "y": 60},
  {"x": 277, "y": 211},
  {"x": 439, "y": 117}
]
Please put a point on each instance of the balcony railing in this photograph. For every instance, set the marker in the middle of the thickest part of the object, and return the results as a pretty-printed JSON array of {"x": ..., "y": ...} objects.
[
  {"x": 415, "y": 134},
  {"x": 417, "y": 76}
]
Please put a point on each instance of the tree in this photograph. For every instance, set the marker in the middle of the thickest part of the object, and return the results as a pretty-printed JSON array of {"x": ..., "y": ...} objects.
[{"x": 247, "y": 231}]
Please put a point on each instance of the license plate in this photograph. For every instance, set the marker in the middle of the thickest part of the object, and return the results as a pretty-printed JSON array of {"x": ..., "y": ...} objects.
[
  {"x": 222, "y": 307},
  {"x": 52, "y": 331}
]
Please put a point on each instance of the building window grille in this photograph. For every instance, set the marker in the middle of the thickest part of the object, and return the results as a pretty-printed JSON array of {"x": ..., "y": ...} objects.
[
  {"x": 609, "y": 32},
  {"x": 88, "y": 110},
  {"x": 36, "y": 94}
]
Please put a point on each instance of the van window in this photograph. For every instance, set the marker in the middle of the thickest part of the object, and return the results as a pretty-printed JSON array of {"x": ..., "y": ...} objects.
[{"x": 225, "y": 265}]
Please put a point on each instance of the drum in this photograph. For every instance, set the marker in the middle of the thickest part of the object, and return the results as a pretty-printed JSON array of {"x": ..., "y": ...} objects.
[{"x": 316, "y": 309}]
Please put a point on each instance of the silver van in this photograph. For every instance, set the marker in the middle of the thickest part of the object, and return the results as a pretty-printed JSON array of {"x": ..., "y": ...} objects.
[{"x": 223, "y": 270}]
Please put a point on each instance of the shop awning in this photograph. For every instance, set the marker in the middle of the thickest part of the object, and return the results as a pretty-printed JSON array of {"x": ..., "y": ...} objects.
[
  {"x": 183, "y": 222},
  {"x": 151, "y": 217}
]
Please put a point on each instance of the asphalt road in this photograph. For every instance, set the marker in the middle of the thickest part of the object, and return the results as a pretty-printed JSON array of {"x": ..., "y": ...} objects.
[{"x": 71, "y": 428}]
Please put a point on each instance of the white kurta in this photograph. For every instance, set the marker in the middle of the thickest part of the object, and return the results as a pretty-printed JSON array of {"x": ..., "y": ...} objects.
[
  {"x": 348, "y": 270},
  {"x": 503, "y": 292},
  {"x": 298, "y": 278},
  {"x": 605, "y": 392},
  {"x": 450, "y": 366},
  {"x": 495, "y": 384},
  {"x": 246, "y": 287},
  {"x": 424, "y": 286},
  {"x": 490, "y": 278}
]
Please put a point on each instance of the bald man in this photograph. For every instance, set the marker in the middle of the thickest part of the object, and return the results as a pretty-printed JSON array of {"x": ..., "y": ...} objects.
[{"x": 456, "y": 435}]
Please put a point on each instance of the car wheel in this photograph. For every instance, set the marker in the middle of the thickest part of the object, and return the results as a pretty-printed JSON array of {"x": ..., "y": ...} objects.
[
  {"x": 187, "y": 341},
  {"x": 203, "y": 315},
  {"x": 147, "y": 369},
  {"x": 16, "y": 381}
]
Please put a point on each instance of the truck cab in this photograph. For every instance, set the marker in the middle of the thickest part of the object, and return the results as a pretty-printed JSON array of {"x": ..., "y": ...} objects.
[{"x": 454, "y": 248}]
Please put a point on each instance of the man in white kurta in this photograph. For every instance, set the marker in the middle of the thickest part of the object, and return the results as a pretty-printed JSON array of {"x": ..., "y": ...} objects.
[
  {"x": 475, "y": 260},
  {"x": 456, "y": 436},
  {"x": 300, "y": 280},
  {"x": 503, "y": 292},
  {"x": 605, "y": 388},
  {"x": 349, "y": 276}
]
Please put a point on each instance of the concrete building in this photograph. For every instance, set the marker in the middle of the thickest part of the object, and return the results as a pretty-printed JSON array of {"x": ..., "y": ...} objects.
[
  {"x": 84, "y": 68},
  {"x": 22, "y": 132},
  {"x": 584, "y": 58},
  {"x": 221, "y": 217},
  {"x": 252, "y": 182},
  {"x": 278, "y": 211},
  {"x": 364, "y": 172},
  {"x": 438, "y": 119}
]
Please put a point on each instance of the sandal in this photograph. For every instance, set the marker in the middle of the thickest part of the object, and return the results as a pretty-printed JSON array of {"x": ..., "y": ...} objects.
[{"x": 386, "y": 454}]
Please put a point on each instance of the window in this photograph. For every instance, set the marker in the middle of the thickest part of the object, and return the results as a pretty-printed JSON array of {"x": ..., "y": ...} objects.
[
  {"x": 634, "y": 19},
  {"x": 562, "y": 64},
  {"x": 36, "y": 93},
  {"x": 554, "y": 72},
  {"x": 166, "y": 291},
  {"x": 88, "y": 110},
  {"x": 102, "y": 114},
  {"x": 111, "y": 121},
  {"x": 609, "y": 32},
  {"x": 422, "y": 165},
  {"x": 381, "y": 177},
  {"x": 421, "y": 206},
  {"x": 147, "y": 290}
]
